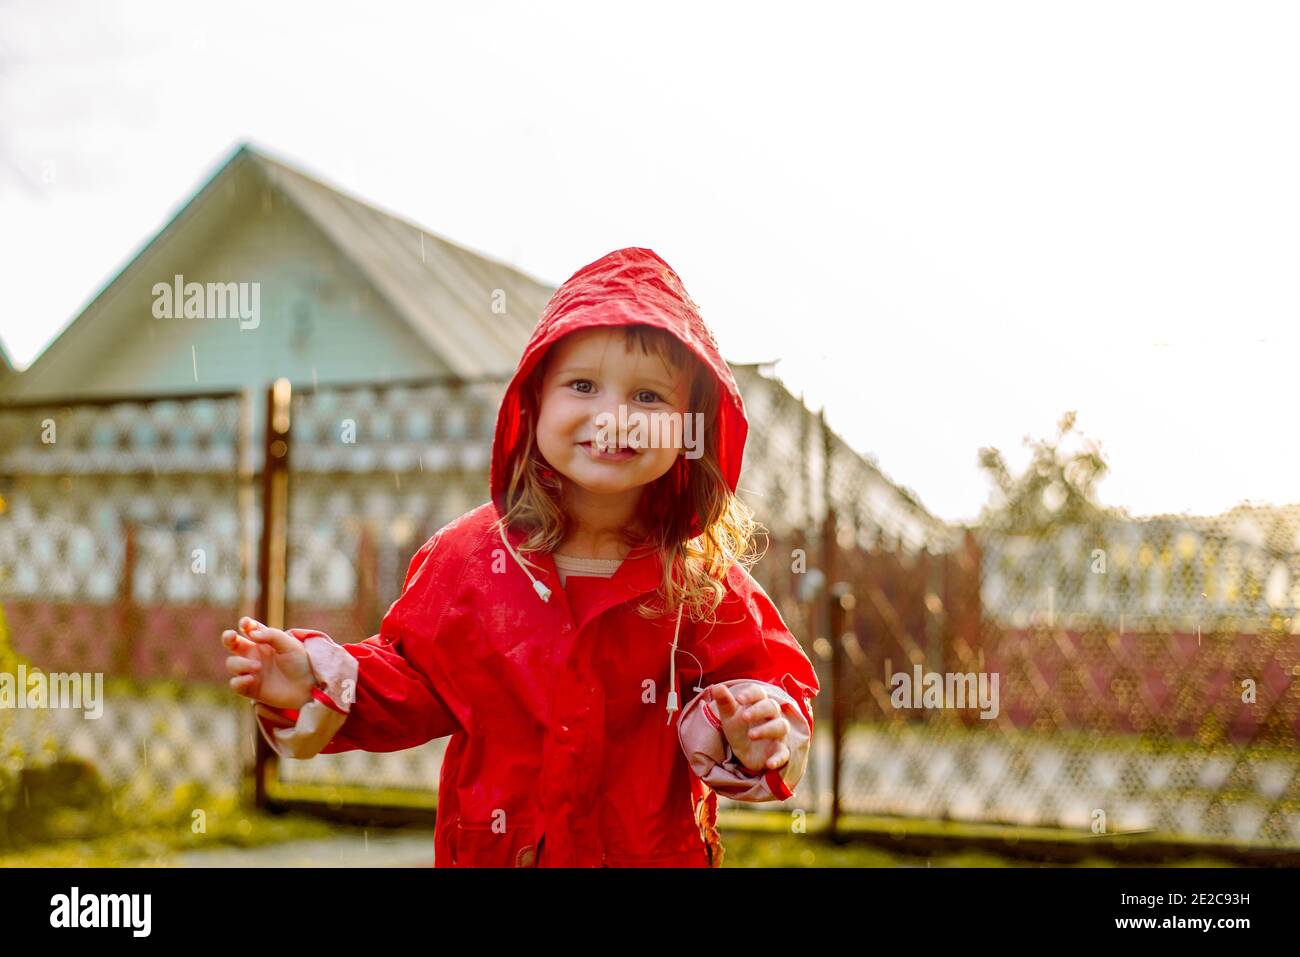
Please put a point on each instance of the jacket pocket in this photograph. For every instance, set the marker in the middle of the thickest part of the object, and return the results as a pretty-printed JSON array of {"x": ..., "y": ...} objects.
[{"x": 479, "y": 844}]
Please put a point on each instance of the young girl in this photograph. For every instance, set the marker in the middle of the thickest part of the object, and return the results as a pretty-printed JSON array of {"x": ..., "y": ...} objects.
[{"x": 555, "y": 631}]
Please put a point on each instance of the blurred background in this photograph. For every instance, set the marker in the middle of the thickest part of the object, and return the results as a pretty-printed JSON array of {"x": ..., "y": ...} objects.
[{"x": 1009, "y": 289}]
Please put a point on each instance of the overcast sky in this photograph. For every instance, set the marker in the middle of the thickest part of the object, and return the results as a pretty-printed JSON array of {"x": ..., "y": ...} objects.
[{"x": 951, "y": 222}]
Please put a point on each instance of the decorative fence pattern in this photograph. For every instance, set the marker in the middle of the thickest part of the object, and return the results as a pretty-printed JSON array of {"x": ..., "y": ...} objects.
[{"x": 126, "y": 531}]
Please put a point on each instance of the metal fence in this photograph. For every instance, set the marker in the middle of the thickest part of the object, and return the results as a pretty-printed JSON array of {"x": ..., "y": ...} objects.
[
  {"x": 374, "y": 471},
  {"x": 126, "y": 530},
  {"x": 1122, "y": 678},
  {"x": 1117, "y": 678}
]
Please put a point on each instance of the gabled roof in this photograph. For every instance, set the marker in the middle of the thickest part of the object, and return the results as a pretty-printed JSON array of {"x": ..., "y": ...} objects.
[{"x": 444, "y": 291}]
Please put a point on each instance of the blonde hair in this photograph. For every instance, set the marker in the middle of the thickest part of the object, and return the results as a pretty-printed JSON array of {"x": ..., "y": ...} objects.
[{"x": 694, "y": 567}]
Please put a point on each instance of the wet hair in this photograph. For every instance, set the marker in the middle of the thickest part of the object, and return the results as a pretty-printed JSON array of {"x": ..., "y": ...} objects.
[{"x": 694, "y": 567}]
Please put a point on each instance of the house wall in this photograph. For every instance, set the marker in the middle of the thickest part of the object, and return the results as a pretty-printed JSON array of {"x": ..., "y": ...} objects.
[{"x": 319, "y": 318}]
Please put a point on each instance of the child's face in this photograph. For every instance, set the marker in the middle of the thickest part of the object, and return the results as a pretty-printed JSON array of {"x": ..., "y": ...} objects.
[{"x": 590, "y": 374}]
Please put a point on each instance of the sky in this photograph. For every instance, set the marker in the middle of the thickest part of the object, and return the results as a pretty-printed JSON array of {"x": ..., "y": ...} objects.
[{"x": 948, "y": 222}]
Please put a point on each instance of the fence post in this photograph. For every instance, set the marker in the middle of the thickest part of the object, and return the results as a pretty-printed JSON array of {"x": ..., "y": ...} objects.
[
  {"x": 273, "y": 557},
  {"x": 965, "y": 616},
  {"x": 830, "y": 601},
  {"x": 367, "y": 590},
  {"x": 128, "y": 618},
  {"x": 834, "y": 633},
  {"x": 246, "y": 476}
]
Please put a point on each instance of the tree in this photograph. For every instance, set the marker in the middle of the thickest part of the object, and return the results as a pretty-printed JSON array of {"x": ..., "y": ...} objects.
[{"x": 1058, "y": 487}]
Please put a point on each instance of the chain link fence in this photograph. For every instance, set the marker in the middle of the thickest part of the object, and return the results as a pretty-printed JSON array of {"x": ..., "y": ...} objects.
[
  {"x": 1125, "y": 677},
  {"x": 1114, "y": 677}
]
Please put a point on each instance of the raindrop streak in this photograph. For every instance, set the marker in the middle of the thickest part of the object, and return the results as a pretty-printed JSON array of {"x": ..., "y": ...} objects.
[{"x": 194, "y": 356}]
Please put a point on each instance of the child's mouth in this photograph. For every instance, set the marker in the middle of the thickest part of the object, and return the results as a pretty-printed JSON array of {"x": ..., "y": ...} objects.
[{"x": 610, "y": 455}]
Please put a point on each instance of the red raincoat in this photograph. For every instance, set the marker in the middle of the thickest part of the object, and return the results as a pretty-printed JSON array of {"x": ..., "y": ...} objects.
[{"x": 562, "y": 752}]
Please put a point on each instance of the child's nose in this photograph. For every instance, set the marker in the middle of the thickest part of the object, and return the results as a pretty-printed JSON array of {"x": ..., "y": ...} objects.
[{"x": 606, "y": 420}]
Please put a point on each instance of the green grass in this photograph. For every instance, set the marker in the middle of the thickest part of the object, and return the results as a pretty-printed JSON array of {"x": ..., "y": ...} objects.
[
  {"x": 155, "y": 844},
  {"x": 158, "y": 845},
  {"x": 60, "y": 813},
  {"x": 756, "y": 849},
  {"x": 758, "y": 839}
]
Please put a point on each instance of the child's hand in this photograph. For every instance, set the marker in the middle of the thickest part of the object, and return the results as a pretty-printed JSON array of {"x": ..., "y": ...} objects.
[
  {"x": 753, "y": 725},
  {"x": 268, "y": 665}
]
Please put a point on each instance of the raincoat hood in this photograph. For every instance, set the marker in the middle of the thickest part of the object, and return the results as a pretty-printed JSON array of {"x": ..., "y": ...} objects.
[{"x": 626, "y": 287}]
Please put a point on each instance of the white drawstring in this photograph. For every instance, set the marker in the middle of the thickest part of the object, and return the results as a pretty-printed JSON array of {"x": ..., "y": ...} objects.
[
  {"x": 672, "y": 667},
  {"x": 543, "y": 592}
]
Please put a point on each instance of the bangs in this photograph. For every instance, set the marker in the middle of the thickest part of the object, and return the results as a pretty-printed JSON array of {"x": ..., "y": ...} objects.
[
  {"x": 653, "y": 341},
  {"x": 703, "y": 388}
]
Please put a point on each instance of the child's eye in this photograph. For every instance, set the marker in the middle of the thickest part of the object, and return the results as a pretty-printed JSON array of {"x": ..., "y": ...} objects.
[
  {"x": 578, "y": 383},
  {"x": 654, "y": 396}
]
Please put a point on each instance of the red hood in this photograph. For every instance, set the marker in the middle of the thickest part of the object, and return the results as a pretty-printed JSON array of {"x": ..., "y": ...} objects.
[{"x": 625, "y": 287}]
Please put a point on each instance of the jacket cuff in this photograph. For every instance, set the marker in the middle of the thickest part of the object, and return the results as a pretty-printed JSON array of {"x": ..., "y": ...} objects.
[
  {"x": 699, "y": 729},
  {"x": 334, "y": 668},
  {"x": 303, "y": 732},
  {"x": 298, "y": 734}
]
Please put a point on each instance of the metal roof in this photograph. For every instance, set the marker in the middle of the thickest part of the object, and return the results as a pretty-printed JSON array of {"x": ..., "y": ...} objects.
[{"x": 445, "y": 291}]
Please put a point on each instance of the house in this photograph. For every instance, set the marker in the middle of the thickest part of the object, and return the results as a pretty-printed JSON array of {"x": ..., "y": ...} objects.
[{"x": 346, "y": 293}]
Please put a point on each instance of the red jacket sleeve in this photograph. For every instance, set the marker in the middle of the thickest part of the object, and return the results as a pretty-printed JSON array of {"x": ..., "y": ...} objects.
[
  {"x": 749, "y": 643},
  {"x": 751, "y": 640},
  {"x": 397, "y": 703}
]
